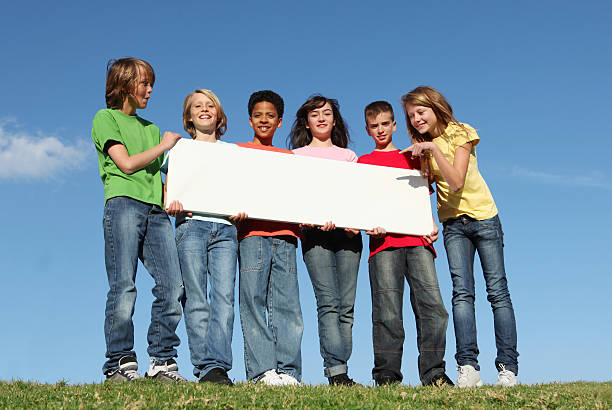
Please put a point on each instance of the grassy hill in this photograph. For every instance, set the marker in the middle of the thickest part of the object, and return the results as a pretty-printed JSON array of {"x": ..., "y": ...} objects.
[{"x": 150, "y": 394}]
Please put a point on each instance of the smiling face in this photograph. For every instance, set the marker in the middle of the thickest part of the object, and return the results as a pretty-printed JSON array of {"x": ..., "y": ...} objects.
[
  {"x": 265, "y": 120},
  {"x": 422, "y": 118},
  {"x": 381, "y": 127},
  {"x": 203, "y": 114},
  {"x": 321, "y": 122}
]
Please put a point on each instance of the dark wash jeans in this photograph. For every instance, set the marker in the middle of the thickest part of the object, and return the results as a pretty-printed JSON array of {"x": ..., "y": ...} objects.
[
  {"x": 332, "y": 259},
  {"x": 387, "y": 271},
  {"x": 136, "y": 230},
  {"x": 462, "y": 237}
]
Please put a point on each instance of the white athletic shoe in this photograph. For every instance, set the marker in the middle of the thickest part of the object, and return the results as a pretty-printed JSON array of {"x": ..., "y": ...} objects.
[
  {"x": 505, "y": 378},
  {"x": 288, "y": 380},
  {"x": 271, "y": 378},
  {"x": 165, "y": 372},
  {"x": 468, "y": 377}
]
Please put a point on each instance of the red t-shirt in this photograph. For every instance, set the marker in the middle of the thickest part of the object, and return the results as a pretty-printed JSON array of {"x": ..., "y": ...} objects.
[
  {"x": 395, "y": 160},
  {"x": 257, "y": 227}
]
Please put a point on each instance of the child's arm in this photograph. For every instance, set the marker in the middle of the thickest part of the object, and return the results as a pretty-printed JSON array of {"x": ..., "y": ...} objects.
[
  {"x": 453, "y": 173},
  {"x": 130, "y": 164},
  {"x": 433, "y": 236}
]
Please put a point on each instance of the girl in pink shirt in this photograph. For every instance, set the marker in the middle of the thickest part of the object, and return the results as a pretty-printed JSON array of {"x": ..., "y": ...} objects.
[{"x": 331, "y": 255}]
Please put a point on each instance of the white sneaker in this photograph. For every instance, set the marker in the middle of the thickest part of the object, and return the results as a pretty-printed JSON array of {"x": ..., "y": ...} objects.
[
  {"x": 271, "y": 378},
  {"x": 505, "y": 378},
  {"x": 288, "y": 380},
  {"x": 468, "y": 377},
  {"x": 166, "y": 372}
]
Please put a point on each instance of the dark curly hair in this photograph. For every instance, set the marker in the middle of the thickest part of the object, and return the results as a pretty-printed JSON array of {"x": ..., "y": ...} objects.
[
  {"x": 300, "y": 136},
  {"x": 267, "y": 96}
]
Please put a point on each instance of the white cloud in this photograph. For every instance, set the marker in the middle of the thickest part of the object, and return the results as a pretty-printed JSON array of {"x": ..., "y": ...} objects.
[
  {"x": 37, "y": 156},
  {"x": 593, "y": 179}
]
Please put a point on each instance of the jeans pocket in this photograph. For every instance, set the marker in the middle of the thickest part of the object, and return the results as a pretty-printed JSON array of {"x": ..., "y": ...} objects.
[{"x": 250, "y": 254}]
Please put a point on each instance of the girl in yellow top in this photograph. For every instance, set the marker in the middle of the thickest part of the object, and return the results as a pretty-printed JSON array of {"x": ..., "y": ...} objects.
[{"x": 466, "y": 208}]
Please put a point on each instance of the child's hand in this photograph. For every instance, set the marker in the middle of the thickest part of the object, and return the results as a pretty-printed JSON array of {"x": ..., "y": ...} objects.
[
  {"x": 432, "y": 237},
  {"x": 420, "y": 148},
  {"x": 170, "y": 139},
  {"x": 351, "y": 232},
  {"x": 175, "y": 208},
  {"x": 306, "y": 226},
  {"x": 329, "y": 226},
  {"x": 237, "y": 219},
  {"x": 377, "y": 232}
]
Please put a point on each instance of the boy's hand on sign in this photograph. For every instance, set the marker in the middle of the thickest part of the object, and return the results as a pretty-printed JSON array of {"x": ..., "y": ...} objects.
[
  {"x": 351, "y": 232},
  {"x": 377, "y": 232},
  {"x": 306, "y": 226},
  {"x": 175, "y": 208},
  {"x": 237, "y": 219},
  {"x": 432, "y": 237},
  {"x": 170, "y": 139},
  {"x": 329, "y": 226}
]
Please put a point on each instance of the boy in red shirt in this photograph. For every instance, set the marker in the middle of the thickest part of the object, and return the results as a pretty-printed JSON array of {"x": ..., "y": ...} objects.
[
  {"x": 393, "y": 257},
  {"x": 268, "y": 273}
]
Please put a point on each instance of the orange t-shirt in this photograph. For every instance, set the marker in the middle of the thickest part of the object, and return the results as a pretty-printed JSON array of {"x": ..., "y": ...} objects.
[{"x": 257, "y": 227}]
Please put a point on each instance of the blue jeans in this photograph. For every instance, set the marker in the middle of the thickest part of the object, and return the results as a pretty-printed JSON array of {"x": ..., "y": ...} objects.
[
  {"x": 208, "y": 249},
  {"x": 462, "y": 237},
  {"x": 387, "y": 271},
  {"x": 270, "y": 311},
  {"x": 136, "y": 230},
  {"x": 332, "y": 260}
]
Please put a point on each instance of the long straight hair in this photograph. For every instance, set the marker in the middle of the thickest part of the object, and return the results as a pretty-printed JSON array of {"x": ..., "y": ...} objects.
[
  {"x": 300, "y": 135},
  {"x": 428, "y": 97}
]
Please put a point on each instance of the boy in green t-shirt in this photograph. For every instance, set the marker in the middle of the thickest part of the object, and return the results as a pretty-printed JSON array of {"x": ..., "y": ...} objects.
[{"x": 135, "y": 225}]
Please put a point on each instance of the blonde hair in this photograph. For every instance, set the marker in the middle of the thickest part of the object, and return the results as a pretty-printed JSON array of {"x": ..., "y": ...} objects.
[
  {"x": 221, "y": 118},
  {"x": 121, "y": 78}
]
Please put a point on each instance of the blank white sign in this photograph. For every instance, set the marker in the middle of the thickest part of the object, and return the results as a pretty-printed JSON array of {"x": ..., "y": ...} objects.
[{"x": 225, "y": 179}]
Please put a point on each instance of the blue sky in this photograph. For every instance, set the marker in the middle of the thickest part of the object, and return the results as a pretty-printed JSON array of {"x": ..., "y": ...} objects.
[{"x": 532, "y": 77}]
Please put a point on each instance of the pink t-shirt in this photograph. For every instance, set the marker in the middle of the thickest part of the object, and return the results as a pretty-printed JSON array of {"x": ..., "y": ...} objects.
[{"x": 333, "y": 152}]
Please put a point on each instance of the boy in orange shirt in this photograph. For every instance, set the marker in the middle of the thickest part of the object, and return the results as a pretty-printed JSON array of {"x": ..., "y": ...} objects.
[{"x": 270, "y": 310}]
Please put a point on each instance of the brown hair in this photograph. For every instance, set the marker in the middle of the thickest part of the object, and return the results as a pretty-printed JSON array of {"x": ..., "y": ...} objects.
[
  {"x": 378, "y": 107},
  {"x": 431, "y": 98},
  {"x": 221, "y": 118},
  {"x": 121, "y": 78},
  {"x": 300, "y": 135}
]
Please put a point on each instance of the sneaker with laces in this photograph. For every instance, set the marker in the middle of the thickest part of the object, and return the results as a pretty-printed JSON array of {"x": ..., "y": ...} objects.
[
  {"x": 341, "y": 379},
  {"x": 468, "y": 377},
  {"x": 270, "y": 378},
  {"x": 288, "y": 380},
  {"x": 505, "y": 377},
  {"x": 126, "y": 372},
  {"x": 439, "y": 381},
  {"x": 166, "y": 372},
  {"x": 217, "y": 376}
]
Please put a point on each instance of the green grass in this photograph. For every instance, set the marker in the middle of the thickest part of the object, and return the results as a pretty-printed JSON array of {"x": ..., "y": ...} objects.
[{"x": 151, "y": 394}]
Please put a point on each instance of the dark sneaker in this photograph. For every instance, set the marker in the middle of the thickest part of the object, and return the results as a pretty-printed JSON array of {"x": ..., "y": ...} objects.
[
  {"x": 386, "y": 379},
  {"x": 341, "y": 380},
  {"x": 217, "y": 376},
  {"x": 440, "y": 380},
  {"x": 165, "y": 372},
  {"x": 127, "y": 371}
]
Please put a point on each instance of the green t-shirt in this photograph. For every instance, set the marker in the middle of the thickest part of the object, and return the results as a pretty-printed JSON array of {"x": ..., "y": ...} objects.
[{"x": 137, "y": 135}]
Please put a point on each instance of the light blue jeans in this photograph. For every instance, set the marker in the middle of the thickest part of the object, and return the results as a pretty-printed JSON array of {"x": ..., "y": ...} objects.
[
  {"x": 136, "y": 230},
  {"x": 270, "y": 311},
  {"x": 464, "y": 236},
  {"x": 208, "y": 250},
  {"x": 332, "y": 259}
]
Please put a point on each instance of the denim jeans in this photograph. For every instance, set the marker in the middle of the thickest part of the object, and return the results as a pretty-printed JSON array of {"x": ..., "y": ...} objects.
[
  {"x": 332, "y": 260},
  {"x": 270, "y": 311},
  {"x": 208, "y": 250},
  {"x": 136, "y": 230},
  {"x": 462, "y": 237},
  {"x": 387, "y": 271}
]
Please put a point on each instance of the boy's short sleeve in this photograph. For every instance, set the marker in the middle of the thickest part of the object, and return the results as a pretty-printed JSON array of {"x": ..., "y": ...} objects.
[{"x": 105, "y": 129}]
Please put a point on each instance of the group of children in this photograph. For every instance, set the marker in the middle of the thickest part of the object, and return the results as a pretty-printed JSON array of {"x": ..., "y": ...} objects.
[{"x": 194, "y": 271}]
